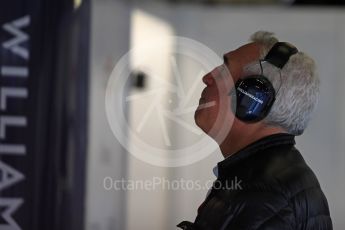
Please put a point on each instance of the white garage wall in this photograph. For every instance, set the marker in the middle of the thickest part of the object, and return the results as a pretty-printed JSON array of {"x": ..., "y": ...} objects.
[
  {"x": 317, "y": 32},
  {"x": 106, "y": 210}
]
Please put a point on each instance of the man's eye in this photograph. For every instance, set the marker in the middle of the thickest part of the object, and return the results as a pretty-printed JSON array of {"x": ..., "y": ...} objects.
[{"x": 221, "y": 68}]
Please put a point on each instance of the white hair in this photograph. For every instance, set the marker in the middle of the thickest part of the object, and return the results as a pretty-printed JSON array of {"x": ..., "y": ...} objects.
[{"x": 297, "y": 86}]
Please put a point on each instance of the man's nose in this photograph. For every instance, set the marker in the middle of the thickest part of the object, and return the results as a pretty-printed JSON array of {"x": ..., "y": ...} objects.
[{"x": 208, "y": 79}]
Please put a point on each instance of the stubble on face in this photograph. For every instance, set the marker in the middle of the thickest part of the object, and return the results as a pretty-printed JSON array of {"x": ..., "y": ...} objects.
[
  {"x": 213, "y": 100},
  {"x": 211, "y": 119}
]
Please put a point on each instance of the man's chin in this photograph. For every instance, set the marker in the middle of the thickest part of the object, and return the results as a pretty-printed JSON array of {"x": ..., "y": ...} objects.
[
  {"x": 197, "y": 118},
  {"x": 201, "y": 124}
]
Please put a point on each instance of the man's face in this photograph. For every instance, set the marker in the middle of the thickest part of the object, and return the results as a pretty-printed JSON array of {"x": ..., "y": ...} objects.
[{"x": 214, "y": 109}]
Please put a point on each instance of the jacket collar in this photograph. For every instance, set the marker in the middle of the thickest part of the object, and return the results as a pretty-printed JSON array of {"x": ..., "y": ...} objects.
[{"x": 252, "y": 149}]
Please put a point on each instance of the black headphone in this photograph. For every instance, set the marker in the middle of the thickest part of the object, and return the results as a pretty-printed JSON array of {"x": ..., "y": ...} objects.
[{"x": 255, "y": 94}]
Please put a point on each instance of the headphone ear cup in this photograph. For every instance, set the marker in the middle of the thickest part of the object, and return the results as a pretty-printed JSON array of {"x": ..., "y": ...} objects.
[{"x": 254, "y": 98}]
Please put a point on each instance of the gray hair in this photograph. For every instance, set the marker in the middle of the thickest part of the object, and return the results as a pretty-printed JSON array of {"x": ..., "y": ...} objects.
[{"x": 297, "y": 86}]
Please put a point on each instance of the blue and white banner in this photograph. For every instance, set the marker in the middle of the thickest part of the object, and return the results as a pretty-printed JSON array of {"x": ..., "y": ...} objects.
[{"x": 43, "y": 114}]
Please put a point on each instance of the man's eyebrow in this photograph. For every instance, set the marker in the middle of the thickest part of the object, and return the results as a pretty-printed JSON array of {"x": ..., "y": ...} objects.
[{"x": 225, "y": 59}]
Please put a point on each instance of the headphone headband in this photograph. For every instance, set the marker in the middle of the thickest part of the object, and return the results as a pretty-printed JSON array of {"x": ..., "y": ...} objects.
[{"x": 280, "y": 53}]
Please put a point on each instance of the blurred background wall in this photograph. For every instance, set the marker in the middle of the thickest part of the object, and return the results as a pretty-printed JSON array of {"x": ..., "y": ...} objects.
[{"x": 109, "y": 41}]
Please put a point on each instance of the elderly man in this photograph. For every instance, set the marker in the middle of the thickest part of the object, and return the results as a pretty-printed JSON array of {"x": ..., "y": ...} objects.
[{"x": 275, "y": 91}]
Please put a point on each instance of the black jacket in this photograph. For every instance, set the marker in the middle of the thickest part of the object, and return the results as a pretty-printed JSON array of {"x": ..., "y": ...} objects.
[{"x": 266, "y": 185}]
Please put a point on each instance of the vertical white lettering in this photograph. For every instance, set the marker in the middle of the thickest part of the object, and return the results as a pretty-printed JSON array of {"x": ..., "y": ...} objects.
[
  {"x": 14, "y": 71},
  {"x": 9, "y": 206},
  {"x": 12, "y": 149},
  {"x": 18, "y": 36},
  {"x": 9, "y": 176},
  {"x": 18, "y": 121},
  {"x": 6, "y": 92}
]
